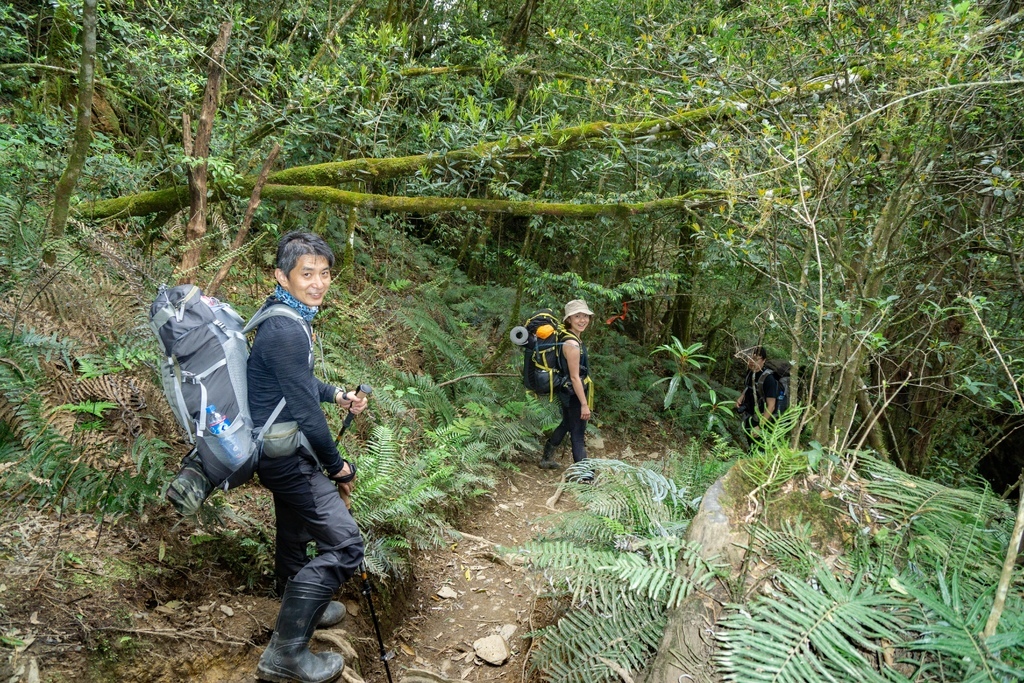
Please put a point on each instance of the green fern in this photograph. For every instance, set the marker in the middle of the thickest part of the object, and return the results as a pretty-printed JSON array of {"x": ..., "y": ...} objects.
[
  {"x": 963, "y": 530},
  {"x": 405, "y": 499},
  {"x": 579, "y": 648},
  {"x": 665, "y": 570},
  {"x": 620, "y": 562},
  {"x": 949, "y": 625},
  {"x": 441, "y": 344},
  {"x": 790, "y": 548},
  {"x": 643, "y": 501},
  {"x": 814, "y": 631},
  {"x": 774, "y": 462}
]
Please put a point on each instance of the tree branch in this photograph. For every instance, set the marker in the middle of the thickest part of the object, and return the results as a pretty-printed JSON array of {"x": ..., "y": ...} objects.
[
  {"x": 432, "y": 205},
  {"x": 243, "y": 230},
  {"x": 199, "y": 149},
  {"x": 333, "y": 174}
]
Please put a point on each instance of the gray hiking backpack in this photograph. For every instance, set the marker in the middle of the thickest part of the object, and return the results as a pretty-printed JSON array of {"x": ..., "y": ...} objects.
[{"x": 205, "y": 352}]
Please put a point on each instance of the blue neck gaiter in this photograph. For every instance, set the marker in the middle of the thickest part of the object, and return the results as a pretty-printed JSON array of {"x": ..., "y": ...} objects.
[{"x": 307, "y": 312}]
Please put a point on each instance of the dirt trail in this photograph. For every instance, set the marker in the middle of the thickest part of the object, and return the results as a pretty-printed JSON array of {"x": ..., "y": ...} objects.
[
  {"x": 66, "y": 588},
  {"x": 471, "y": 590}
]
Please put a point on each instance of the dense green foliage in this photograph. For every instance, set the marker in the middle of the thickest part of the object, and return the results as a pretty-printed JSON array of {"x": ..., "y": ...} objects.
[{"x": 839, "y": 180}]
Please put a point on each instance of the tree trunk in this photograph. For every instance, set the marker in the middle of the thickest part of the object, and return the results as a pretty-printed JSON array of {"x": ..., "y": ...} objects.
[
  {"x": 519, "y": 30},
  {"x": 243, "y": 230},
  {"x": 679, "y": 317},
  {"x": 199, "y": 150},
  {"x": 686, "y": 649},
  {"x": 83, "y": 126},
  {"x": 326, "y": 46},
  {"x": 348, "y": 257}
]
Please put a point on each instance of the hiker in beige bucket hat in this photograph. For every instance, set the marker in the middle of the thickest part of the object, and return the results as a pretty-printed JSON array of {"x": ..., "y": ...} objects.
[
  {"x": 577, "y": 394},
  {"x": 576, "y": 306}
]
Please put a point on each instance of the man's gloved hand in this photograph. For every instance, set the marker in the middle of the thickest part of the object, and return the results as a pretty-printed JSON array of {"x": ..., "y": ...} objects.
[{"x": 347, "y": 472}]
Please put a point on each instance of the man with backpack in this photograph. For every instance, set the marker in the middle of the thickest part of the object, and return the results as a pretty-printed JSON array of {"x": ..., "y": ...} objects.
[
  {"x": 758, "y": 401},
  {"x": 301, "y": 466}
]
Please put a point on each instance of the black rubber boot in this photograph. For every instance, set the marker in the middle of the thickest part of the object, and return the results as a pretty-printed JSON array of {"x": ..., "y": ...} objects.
[
  {"x": 287, "y": 658},
  {"x": 547, "y": 461},
  {"x": 334, "y": 613}
]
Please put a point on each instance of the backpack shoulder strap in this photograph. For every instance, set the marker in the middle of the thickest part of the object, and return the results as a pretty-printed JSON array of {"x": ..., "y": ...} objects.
[
  {"x": 254, "y": 322},
  {"x": 274, "y": 311},
  {"x": 760, "y": 380},
  {"x": 565, "y": 335},
  {"x": 270, "y": 312}
]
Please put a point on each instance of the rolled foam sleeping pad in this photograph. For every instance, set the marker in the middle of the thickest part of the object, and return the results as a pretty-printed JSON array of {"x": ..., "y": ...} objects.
[{"x": 519, "y": 335}]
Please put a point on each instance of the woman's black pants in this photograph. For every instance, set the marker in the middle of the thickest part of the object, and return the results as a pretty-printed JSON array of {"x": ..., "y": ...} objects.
[{"x": 572, "y": 425}]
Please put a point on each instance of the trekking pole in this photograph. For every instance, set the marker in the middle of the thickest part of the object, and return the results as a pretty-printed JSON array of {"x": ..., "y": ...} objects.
[
  {"x": 366, "y": 390},
  {"x": 368, "y": 592},
  {"x": 363, "y": 390}
]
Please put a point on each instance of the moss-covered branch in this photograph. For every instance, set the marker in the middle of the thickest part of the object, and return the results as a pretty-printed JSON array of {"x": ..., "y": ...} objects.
[
  {"x": 354, "y": 170},
  {"x": 131, "y": 206},
  {"x": 431, "y": 205}
]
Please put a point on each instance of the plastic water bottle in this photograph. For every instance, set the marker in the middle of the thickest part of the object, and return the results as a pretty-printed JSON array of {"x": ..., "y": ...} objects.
[{"x": 218, "y": 425}]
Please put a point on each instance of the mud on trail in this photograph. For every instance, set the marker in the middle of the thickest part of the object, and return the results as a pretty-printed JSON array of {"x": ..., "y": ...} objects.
[{"x": 154, "y": 601}]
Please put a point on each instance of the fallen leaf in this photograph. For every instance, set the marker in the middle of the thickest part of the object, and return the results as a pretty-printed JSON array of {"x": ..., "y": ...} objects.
[
  {"x": 407, "y": 650},
  {"x": 34, "y": 619},
  {"x": 227, "y": 610}
]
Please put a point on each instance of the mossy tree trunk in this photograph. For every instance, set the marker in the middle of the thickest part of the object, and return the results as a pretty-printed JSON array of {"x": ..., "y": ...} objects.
[{"x": 83, "y": 126}]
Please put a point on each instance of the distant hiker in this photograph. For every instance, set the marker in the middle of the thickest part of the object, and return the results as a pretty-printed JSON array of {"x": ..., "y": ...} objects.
[
  {"x": 574, "y": 399},
  {"x": 757, "y": 401},
  {"x": 302, "y": 467}
]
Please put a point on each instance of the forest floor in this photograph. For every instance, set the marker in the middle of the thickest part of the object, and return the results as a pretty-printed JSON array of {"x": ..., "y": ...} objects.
[{"x": 88, "y": 600}]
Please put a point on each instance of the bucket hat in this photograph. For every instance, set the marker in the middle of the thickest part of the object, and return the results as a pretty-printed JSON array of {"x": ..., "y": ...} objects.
[{"x": 576, "y": 306}]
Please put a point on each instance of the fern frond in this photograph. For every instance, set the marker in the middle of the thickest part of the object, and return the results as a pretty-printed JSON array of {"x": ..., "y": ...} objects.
[
  {"x": 950, "y": 627},
  {"x": 579, "y": 648},
  {"x": 665, "y": 570},
  {"x": 443, "y": 345},
  {"x": 965, "y": 530},
  {"x": 642, "y": 500},
  {"x": 815, "y": 631},
  {"x": 790, "y": 547}
]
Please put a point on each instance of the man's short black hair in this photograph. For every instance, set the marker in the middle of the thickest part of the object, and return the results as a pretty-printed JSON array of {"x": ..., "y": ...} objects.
[{"x": 296, "y": 244}]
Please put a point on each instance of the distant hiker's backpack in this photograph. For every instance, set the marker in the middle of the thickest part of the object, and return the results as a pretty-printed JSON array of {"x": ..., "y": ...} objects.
[
  {"x": 204, "y": 378},
  {"x": 780, "y": 369},
  {"x": 544, "y": 368}
]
